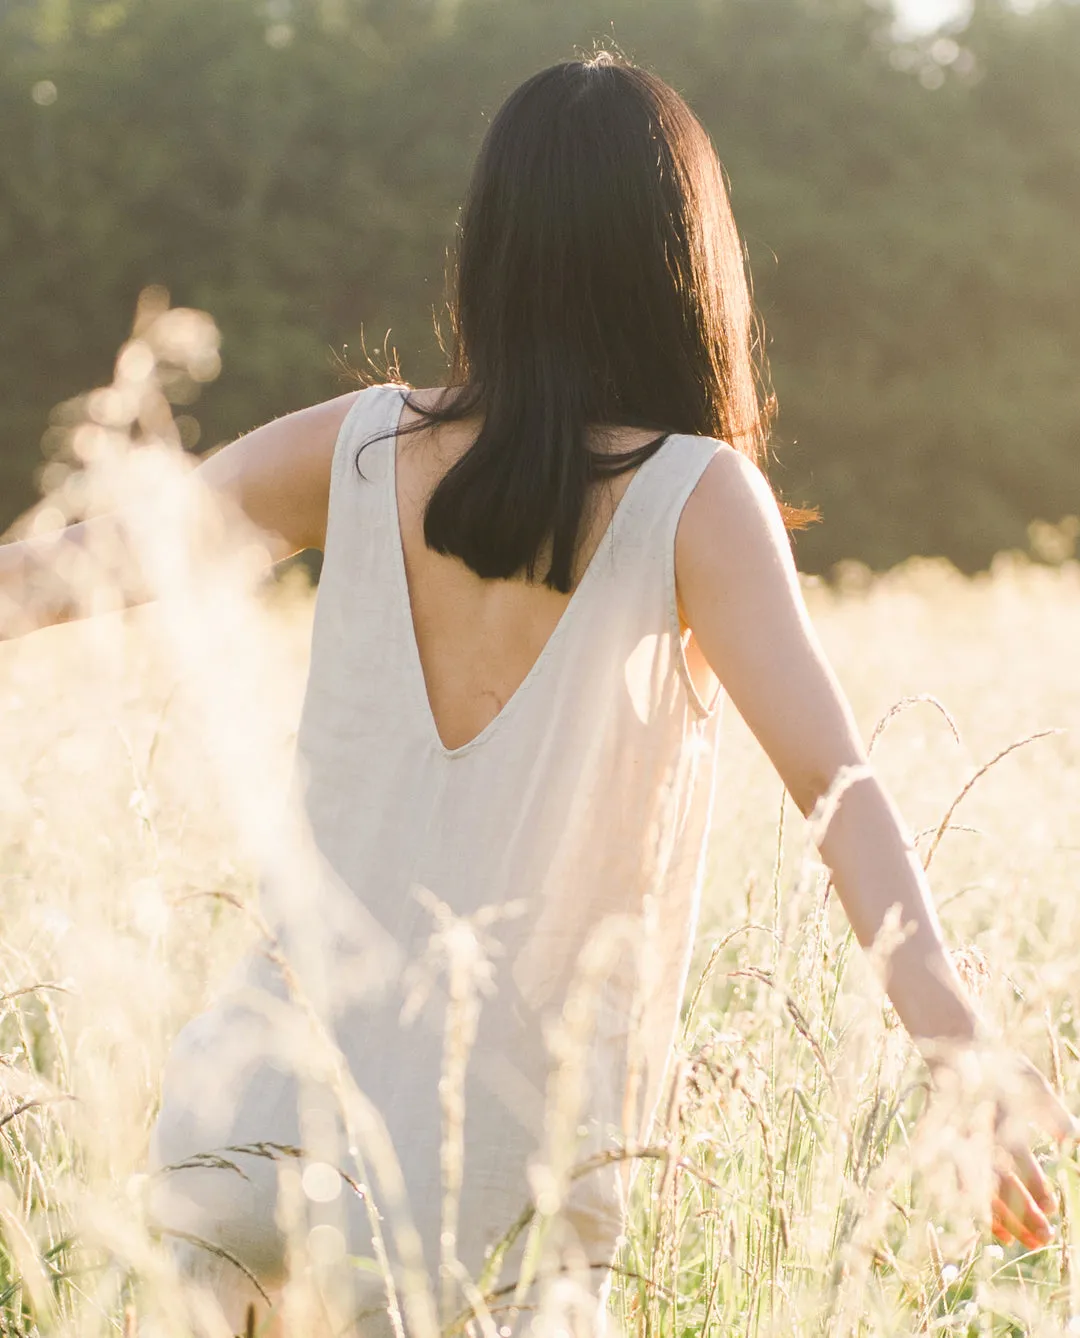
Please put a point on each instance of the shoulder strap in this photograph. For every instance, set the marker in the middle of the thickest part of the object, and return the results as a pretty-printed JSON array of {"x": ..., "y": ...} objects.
[
  {"x": 370, "y": 414},
  {"x": 359, "y": 470},
  {"x": 636, "y": 561},
  {"x": 648, "y": 516}
]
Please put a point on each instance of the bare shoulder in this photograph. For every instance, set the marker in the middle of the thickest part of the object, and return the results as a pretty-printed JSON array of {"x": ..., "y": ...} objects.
[
  {"x": 731, "y": 535},
  {"x": 280, "y": 473},
  {"x": 732, "y": 493}
]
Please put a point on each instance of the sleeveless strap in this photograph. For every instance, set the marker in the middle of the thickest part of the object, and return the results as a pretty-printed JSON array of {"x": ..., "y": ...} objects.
[
  {"x": 638, "y": 552},
  {"x": 368, "y": 417}
]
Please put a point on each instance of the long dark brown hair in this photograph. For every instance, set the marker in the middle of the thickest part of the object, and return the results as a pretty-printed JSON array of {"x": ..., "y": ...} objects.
[{"x": 600, "y": 280}]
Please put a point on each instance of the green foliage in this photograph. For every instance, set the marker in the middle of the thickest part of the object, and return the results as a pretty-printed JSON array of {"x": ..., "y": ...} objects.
[{"x": 295, "y": 167}]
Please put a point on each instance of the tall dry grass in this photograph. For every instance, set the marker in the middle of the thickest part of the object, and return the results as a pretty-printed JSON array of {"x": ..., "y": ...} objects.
[{"x": 800, "y": 1179}]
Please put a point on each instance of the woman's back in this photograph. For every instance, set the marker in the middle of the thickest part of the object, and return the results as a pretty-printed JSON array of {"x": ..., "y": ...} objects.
[
  {"x": 552, "y": 827},
  {"x": 478, "y": 639}
]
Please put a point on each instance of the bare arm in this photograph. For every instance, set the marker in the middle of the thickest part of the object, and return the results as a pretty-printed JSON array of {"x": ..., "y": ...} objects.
[
  {"x": 278, "y": 475},
  {"x": 739, "y": 591}
]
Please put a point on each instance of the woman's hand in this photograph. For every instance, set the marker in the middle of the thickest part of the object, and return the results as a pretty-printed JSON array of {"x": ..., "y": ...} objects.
[
  {"x": 987, "y": 1080},
  {"x": 1024, "y": 1199}
]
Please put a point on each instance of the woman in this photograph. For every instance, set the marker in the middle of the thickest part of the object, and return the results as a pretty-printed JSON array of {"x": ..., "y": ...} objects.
[{"x": 538, "y": 582}]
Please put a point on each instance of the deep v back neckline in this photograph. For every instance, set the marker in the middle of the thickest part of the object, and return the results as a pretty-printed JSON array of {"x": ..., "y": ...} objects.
[{"x": 421, "y": 696}]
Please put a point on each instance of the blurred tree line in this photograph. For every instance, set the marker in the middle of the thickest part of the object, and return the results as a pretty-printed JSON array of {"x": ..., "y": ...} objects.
[{"x": 295, "y": 167}]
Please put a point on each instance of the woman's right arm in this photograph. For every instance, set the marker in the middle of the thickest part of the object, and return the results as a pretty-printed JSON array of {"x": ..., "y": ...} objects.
[
  {"x": 34, "y": 592},
  {"x": 277, "y": 475}
]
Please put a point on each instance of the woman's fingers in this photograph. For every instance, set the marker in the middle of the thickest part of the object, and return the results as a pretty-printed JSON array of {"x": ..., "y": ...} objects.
[
  {"x": 1004, "y": 1224},
  {"x": 1033, "y": 1178},
  {"x": 1007, "y": 1226},
  {"x": 1016, "y": 1210}
]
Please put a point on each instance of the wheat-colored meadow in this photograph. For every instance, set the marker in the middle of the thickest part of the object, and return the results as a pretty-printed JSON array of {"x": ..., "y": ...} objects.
[{"x": 799, "y": 1182}]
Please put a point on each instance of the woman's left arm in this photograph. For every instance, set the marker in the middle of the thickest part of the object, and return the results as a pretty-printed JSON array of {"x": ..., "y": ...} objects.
[{"x": 739, "y": 591}]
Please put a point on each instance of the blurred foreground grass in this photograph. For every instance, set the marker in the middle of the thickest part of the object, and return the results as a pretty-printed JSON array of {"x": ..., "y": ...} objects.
[{"x": 802, "y": 1185}]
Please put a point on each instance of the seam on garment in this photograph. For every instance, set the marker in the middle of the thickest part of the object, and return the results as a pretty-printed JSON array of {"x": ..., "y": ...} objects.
[{"x": 702, "y": 711}]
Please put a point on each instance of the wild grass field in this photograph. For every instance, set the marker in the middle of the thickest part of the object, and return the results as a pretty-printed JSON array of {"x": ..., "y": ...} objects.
[{"x": 801, "y": 1181}]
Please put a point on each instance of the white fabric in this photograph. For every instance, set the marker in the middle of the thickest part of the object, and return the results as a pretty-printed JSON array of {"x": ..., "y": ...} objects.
[{"x": 572, "y": 833}]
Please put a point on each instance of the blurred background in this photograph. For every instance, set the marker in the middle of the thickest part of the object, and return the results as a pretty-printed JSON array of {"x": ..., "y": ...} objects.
[{"x": 906, "y": 178}]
